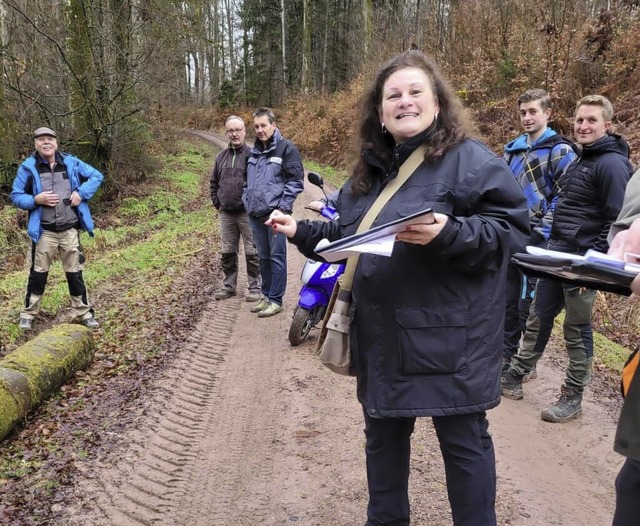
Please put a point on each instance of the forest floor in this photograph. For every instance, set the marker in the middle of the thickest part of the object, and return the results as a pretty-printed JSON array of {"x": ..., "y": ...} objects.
[{"x": 235, "y": 427}]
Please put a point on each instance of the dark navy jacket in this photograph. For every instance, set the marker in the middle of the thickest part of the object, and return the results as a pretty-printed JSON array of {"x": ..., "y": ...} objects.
[
  {"x": 274, "y": 177},
  {"x": 591, "y": 195},
  {"x": 427, "y": 323}
]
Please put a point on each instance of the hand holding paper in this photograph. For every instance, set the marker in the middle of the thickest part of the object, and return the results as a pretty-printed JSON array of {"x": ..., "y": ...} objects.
[{"x": 379, "y": 240}]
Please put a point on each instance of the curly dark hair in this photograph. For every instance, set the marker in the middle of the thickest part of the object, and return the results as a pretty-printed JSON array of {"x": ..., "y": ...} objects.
[{"x": 453, "y": 123}]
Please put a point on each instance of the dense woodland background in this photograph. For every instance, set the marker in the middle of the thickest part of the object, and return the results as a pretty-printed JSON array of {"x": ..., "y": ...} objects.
[
  {"x": 116, "y": 78},
  {"x": 121, "y": 79}
]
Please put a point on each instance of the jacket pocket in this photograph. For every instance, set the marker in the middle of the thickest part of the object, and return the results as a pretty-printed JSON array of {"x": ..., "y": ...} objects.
[
  {"x": 349, "y": 216},
  {"x": 432, "y": 341}
]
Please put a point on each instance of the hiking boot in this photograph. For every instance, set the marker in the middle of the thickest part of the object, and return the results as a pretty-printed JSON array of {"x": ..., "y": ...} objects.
[
  {"x": 250, "y": 297},
  {"x": 511, "y": 386},
  {"x": 270, "y": 310},
  {"x": 224, "y": 294},
  {"x": 90, "y": 323},
  {"x": 25, "y": 324},
  {"x": 531, "y": 375},
  {"x": 260, "y": 305},
  {"x": 566, "y": 408}
]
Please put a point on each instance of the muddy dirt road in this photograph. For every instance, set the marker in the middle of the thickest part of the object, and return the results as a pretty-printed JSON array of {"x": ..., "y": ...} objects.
[{"x": 244, "y": 429}]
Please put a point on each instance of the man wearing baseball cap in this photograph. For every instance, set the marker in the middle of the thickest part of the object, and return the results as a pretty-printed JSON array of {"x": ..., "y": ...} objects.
[{"x": 54, "y": 188}]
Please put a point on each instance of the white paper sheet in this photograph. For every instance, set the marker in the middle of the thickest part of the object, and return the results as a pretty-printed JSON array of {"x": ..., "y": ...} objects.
[{"x": 382, "y": 247}]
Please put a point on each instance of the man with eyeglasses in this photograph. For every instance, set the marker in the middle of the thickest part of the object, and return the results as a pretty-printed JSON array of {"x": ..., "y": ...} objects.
[
  {"x": 227, "y": 181},
  {"x": 274, "y": 179}
]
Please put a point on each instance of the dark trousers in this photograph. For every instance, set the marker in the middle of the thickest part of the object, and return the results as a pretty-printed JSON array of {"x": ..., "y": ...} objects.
[
  {"x": 627, "y": 494},
  {"x": 519, "y": 294},
  {"x": 550, "y": 298},
  {"x": 469, "y": 460}
]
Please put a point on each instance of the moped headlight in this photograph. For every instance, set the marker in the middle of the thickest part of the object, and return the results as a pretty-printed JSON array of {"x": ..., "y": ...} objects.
[{"x": 330, "y": 271}]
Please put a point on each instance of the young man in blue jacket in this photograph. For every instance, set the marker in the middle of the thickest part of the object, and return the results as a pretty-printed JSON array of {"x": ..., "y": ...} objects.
[
  {"x": 537, "y": 158},
  {"x": 54, "y": 188},
  {"x": 274, "y": 179}
]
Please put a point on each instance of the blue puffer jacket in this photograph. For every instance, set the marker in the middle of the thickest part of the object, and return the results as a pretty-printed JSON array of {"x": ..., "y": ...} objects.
[
  {"x": 274, "y": 177},
  {"x": 84, "y": 178}
]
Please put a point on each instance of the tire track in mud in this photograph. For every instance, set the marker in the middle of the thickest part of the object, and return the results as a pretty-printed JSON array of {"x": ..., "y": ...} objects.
[
  {"x": 208, "y": 441},
  {"x": 235, "y": 470},
  {"x": 151, "y": 483}
]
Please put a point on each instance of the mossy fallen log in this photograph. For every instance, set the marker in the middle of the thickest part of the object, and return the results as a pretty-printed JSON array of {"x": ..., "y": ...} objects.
[{"x": 37, "y": 369}]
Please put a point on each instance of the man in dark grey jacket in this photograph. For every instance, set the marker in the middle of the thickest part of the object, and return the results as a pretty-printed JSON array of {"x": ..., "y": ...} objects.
[
  {"x": 227, "y": 181},
  {"x": 274, "y": 178}
]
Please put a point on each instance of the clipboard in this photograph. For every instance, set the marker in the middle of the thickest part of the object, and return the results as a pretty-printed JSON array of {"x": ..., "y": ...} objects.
[
  {"x": 594, "y": 274},
  {"x": 329, "y": 250}
]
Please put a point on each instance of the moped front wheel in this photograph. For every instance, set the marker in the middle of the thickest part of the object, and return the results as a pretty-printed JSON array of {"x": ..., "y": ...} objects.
[{"x": 303, "y": 320}]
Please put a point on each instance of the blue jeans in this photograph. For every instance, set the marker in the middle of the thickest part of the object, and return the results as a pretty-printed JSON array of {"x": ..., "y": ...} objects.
[
  {"x": 272, "y": 251},
  {"x": 519, "y": 295}
]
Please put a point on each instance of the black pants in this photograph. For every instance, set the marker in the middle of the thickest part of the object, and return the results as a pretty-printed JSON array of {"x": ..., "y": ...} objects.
[
  {"x": 469, "y": 460},
  {"x": 519, "y": 295},
  {"x": 627, "y": 494}
]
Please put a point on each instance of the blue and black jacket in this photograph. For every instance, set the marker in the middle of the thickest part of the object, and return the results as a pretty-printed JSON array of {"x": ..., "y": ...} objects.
[
  {"x": 84, "y": 179},
  {"x": 537, "y": 168},
  {"x": 274, "y": 177}
]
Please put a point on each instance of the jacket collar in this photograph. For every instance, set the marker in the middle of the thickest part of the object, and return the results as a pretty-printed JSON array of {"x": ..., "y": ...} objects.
[
  {"x": 520, "y": 143},
  {"x": 259, "y": 148}
]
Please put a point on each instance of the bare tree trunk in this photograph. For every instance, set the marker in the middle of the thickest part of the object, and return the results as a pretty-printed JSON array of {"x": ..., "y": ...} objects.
[
  {"x": 325, "y": 47},
  {"x": 83, "y": 96},
  {"x": 284, "y": 46},
  {"x": 367, "y": 9},
  {"x": 229, "y": 6},
  {"x": 306, "y": 47},
  {"x": 211, "y": 53}
]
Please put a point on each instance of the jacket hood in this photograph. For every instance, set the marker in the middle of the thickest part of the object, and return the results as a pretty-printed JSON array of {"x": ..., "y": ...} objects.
[
  {"x": 610, "y": 143},
  {"x": 520, "y": 144}
]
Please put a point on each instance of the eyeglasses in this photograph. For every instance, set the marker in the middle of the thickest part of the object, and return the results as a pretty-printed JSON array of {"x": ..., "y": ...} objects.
[{"x": 235, "y": 132}]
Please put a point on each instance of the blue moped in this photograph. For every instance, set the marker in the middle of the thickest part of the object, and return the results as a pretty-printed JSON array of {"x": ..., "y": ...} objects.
[{"x": 318, "y": 279}]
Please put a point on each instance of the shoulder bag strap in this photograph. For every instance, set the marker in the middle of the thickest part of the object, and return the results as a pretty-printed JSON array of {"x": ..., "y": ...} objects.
[{"x": 405, "y": 171}]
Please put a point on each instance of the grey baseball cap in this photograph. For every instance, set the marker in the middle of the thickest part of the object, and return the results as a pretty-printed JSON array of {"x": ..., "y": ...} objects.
[{"x": 44, "y": 131}]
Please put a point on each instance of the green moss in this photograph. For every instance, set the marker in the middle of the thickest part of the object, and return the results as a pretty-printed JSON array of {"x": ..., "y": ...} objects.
[
  {"x": 51, "y": 358},
  {"x": 10, "y": 413}
]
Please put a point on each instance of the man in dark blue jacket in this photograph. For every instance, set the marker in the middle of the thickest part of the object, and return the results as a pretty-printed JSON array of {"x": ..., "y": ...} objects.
[
  {"x": 54, "y": 188},
  {"x": 274, "y": 178},
  {"x": 590, "y": 199}
]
